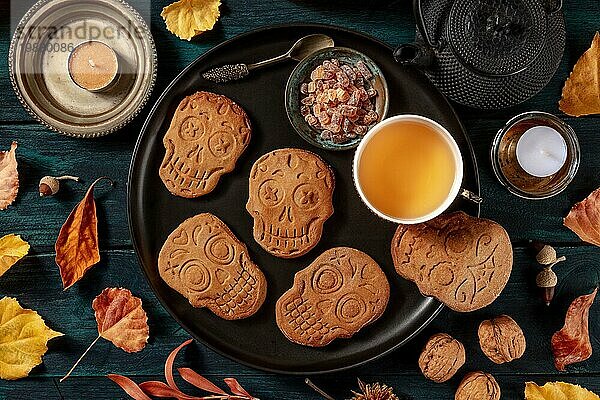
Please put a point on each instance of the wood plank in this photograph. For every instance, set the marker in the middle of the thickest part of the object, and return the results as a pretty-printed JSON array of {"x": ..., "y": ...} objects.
[
  {"x": 35, "y": 282},
  {"x": 389, "y": 21},
  {"x": 41, "y": 153},
  {"x": 534, "y": 219},
  {"x": 278, "y": 387}
]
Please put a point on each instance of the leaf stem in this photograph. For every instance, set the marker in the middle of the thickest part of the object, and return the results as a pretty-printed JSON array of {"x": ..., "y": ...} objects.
[
  {"x": 112, "y": 183},
  {"x": 68, "y": 177},
  {"x": 317, "y": 389},
  {"x": 79, "y": 360}
]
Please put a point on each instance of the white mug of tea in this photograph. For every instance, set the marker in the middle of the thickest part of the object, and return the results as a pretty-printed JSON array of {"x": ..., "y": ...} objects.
[{"x": 408, "y": 169}]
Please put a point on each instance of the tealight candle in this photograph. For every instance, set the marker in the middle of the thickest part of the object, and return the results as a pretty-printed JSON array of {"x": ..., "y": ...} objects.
[
  {"x": 535, "y": 155},
  {"x": 541, "y": 151},
  {"x": 93, "y": 66}
]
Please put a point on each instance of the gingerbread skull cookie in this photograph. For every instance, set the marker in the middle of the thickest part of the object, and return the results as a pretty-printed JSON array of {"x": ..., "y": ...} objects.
[
  {"x": 463, "y": 261},
  {"x": 291, "y": 197},
  {"x": 338, "y": 294},
  {"x": 208, "y": 265},
  {"x": 207, "y": 135}
]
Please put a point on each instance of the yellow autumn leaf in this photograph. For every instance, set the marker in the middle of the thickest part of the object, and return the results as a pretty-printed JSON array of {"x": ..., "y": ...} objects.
[
  {"x": 23, "y": 339},
  {"x": 12, "y": 249},
  {"x": 188, "y": 18},
  {"x": 557, "y": 391}
]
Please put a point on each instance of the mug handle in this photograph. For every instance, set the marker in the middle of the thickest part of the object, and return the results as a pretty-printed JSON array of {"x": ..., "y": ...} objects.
[{"x": 468, "y": 195}]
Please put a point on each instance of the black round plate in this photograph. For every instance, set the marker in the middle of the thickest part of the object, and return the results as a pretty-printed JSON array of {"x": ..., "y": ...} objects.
[{"x": 154, "y": 212}]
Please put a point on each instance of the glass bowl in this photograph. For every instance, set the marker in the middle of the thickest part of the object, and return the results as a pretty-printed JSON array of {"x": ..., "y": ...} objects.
[{"x": 301, "y": 74}]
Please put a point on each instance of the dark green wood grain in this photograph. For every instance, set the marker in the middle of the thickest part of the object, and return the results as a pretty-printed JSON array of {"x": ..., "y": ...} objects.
[
  {"x": 43, "y": 153},
  {"x": 407, "y": 387},
  {"x": 389, "y": 21},
  {"x": 35, "y": 282}
]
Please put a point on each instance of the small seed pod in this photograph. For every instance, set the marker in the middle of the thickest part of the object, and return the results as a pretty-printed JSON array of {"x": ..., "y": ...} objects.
[
  {"x": 546, "y": 256},
  {"x": 50, "y": 185},
  {"x": 546, "y": 279}
]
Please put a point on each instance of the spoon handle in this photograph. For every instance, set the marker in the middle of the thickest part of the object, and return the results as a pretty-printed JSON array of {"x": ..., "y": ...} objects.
[
  {"x": 227, "y": 73},
  {"x": 234, "y": 72},
  {"x": 268, "y": 62}
]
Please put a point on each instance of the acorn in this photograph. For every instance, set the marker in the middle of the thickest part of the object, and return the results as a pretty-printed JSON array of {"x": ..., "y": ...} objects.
[
  {"x": 546, "y": 279},
  {"x": 50, "y": 185},
  {"x": 546, "y": 255}
]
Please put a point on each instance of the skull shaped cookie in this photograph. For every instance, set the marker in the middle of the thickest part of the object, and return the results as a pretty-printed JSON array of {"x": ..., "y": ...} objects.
[
  {"x": 342, "y": 291},
  {"x": 207, "y": 264},
  {"x": 463, "y": 261},
  {"x": 208, "y": 134},
  {"x": 291, "y": 197}
]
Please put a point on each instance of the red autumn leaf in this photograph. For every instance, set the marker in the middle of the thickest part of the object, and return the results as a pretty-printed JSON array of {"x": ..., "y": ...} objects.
[
  {"x": 191, "y": 377},
  {"x": 584, "y": 219},
  {"x": 129, "y": 386},
  {"x": 236, "y": 388},
  {"x": 572, "y": 344},
  {"x": 77, "y": 243},
  {"x": 9, "y": 177},
  {"x": 160, "y": 389},
  {"x": 169, "y": 364},
  {"x": 170, "y": 389},
  {"x": 121, "y": 320}
]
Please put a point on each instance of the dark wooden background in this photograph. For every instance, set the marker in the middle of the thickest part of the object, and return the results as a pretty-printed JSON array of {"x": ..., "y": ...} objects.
[{"x": 36, "y": 283}]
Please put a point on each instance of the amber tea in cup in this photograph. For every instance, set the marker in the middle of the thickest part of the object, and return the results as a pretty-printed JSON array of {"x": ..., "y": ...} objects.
[{"x": 408, "y": 169}]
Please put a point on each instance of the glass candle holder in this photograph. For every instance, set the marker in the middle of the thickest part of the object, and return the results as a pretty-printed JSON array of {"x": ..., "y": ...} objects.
[{"x": 509, "y": 170}]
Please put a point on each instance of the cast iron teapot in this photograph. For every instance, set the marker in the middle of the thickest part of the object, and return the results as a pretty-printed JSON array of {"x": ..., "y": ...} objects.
[{"x": 487, "y": 54}]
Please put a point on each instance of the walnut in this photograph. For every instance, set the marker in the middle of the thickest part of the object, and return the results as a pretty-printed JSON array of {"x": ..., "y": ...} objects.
[
  {"x": 442, "y": 357},
  {"x": 478, "y": 386},
  {"x": 501, "y": 339}
]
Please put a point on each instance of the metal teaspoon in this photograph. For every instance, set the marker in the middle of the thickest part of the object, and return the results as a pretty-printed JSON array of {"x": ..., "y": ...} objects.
[{"x": 300, "y": 50}]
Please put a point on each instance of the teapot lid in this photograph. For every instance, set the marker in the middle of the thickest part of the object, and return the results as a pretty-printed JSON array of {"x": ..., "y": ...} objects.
[{"x": 497, "y": 37}]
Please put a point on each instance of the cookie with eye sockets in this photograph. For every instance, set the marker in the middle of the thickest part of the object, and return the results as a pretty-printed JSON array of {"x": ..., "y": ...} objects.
[
  {"x": 463, "y": 261},
  {"x": 204, "y": 261},
  {"x": 290, "y": 198},
  {"x": 208, "y": 134},
  {"x": 337, "y": 295}
]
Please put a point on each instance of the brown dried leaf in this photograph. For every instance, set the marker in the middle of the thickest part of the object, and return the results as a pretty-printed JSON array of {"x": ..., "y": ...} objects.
[
  {"x": 129, "y": 386},
  {"x": 195, "y": 379},
  {"x": 9, "y": 177},
  {"x": 121, "y": 320},
  {"x": 236, "y": 388},
  {"x": 161, "y": 389},
  {"x": 584, "y": 219},
  {"x": 170, "y": 389},
  {"x": 169, "y": 364},
  {"x": 77, "y": 243},
  {"x": 581, "y": 93},
  {"x": 572, "y": 344}
]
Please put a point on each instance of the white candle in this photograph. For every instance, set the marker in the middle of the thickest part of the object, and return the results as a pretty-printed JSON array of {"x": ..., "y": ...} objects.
[{"x": 541, "y": 151}]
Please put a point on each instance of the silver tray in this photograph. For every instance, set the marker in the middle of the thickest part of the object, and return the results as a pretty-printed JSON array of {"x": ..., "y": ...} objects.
[{"x": 38, "y": 58}]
